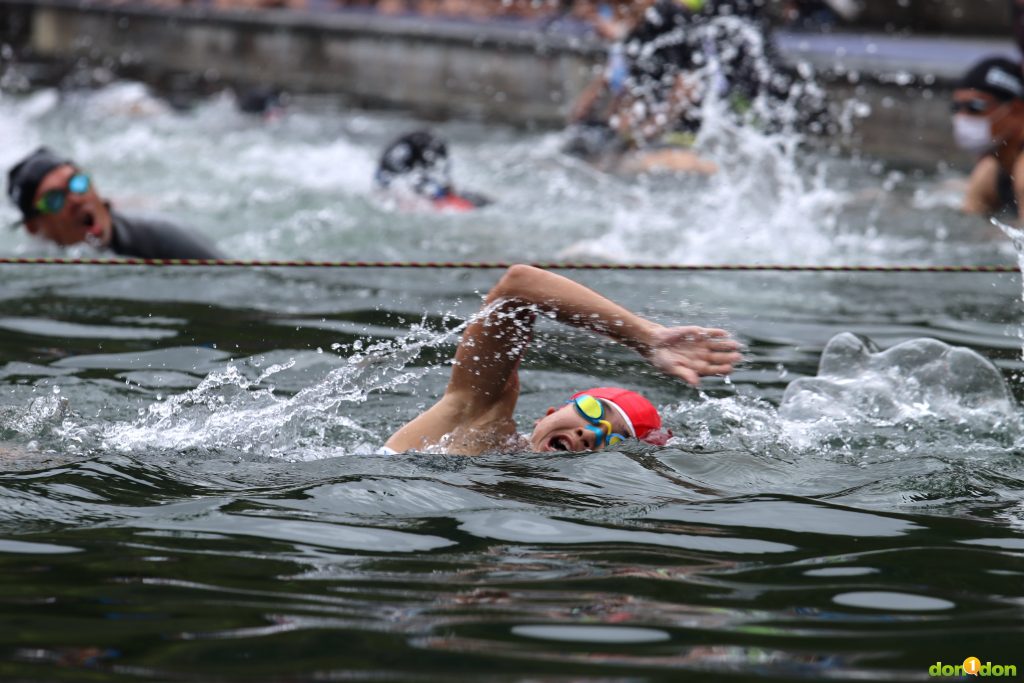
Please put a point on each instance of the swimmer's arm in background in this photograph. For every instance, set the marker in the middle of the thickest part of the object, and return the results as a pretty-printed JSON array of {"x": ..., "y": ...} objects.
[
  {"x": 982, "y": 195},
  {"x": 583, "y": 105},
  {"x": 1018, "y": 189}
]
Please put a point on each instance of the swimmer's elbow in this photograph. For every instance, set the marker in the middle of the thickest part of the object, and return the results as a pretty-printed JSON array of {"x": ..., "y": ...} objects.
[{"x": 517, "y": 283}]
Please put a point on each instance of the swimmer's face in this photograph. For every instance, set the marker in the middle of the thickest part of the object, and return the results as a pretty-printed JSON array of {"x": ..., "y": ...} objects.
[
  {"x": 563, "y": 429},
  {"x": 1005, "y": 117},
  {"x": 971, "y": 102},
  {"x": 83, "y": 216}
]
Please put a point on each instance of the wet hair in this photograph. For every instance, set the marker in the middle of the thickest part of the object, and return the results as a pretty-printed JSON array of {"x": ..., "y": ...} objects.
[
  {"x": 421, "y": 158},
  {"x": 24, "y": 178},
  {"x": 997, "y": 76}
]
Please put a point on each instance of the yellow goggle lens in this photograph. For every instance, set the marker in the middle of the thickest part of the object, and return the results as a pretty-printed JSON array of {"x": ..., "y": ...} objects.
[{"x": 590, "y": 407}]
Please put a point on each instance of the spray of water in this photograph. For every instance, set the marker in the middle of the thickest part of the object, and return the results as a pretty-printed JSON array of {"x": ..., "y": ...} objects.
[
  {"x": 1016, "y": 236},
  {"x": 914, "y": 397},
  {"x": 753, "y": 125},
  {"x": 230, "y": 411}
]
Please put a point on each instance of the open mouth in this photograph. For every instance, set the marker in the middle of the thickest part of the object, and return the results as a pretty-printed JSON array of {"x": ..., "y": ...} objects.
[
  {"x": 88, "y": 220},
  {"x": 559, "y": 443}
]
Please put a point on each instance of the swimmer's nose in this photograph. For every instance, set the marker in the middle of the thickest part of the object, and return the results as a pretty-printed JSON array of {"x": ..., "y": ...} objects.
[
  {"x": 75, "y": 200},
  {"x": 586, "y": 437}
]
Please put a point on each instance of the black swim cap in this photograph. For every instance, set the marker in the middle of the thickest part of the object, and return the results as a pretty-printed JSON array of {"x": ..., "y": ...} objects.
[
  {"x": 260, "y": 99},
  {"x": 23, "y": 180},
  {"x": 997, "y": 76},
  {"x": 422, "y": 157}
]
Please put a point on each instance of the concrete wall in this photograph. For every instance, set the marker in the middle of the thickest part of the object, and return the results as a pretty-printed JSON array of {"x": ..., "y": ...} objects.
[{"x": 450, "y": 70}]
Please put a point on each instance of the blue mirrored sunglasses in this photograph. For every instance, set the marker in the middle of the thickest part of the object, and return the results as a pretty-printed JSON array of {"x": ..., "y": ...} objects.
[{"x": 53, "y": 201}]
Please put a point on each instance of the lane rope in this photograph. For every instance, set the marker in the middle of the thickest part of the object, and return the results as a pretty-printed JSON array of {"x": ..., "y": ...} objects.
[{"x": 495, "y": 265}]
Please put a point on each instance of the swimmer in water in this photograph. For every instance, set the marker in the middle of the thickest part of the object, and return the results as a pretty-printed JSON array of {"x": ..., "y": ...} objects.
[
  {"x": 59, "y": 203},
  {"x": 988, "y": 120},
  {"x": 265, "y": 101},
  {"x": 416, "y": 165},
  {"x": 476, "y": 413}
]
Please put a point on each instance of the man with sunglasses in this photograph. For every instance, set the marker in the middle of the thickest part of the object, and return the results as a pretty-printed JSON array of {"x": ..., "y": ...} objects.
[
  {"x": 988, "y": 120},
  {"x": 476, "y": 413},
  {"x": 59, "y": 203}
]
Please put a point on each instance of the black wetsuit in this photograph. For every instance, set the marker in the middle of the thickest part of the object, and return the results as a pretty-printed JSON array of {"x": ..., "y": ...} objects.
[
  {"x": 1006, "y": 192},
  {"x": 148, "y": 238}
]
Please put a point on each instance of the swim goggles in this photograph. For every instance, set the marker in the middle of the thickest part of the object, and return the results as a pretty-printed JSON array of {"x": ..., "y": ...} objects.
[
  {"x": 974, "y": 107},
  {"x": 592, "y": 410},
  {"x": 53, "y": 201}
]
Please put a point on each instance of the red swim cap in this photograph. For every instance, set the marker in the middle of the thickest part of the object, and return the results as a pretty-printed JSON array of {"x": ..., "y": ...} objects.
[
  {"x": 640, "y": 415},
  {"x": 453, "y": 202}
]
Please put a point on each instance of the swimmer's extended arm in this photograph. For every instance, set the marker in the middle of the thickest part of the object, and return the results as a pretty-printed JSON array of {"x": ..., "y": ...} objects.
[{"x": 484, "y": 384}]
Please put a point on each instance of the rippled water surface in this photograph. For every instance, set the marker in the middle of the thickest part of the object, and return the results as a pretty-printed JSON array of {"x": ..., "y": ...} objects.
[{"x": 189, "y": 485}]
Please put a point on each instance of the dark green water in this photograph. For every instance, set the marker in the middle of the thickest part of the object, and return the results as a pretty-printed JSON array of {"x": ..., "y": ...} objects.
[{"x": 190, "y": 490}]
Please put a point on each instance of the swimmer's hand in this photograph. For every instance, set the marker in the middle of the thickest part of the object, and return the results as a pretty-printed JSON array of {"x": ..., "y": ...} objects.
[{"x": 692, "y": 352}]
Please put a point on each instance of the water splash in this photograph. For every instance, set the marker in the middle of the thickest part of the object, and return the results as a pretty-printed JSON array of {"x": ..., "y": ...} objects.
[
  {"x": 230, "y": 411},
  {"x": 1016, "y": 236},
  {"x": 919, "y": 382},
  {"x": 753, "y": 124},
  {"x": 36, "y": 418},
  {"x": 917, "y": 397}
]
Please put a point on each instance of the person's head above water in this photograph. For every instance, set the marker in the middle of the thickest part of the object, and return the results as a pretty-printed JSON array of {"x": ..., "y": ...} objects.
[
  {"x": 266, "y": 101},
  {"x": 598, "y": 418},
  {"x": 419, "y": 157},
  {"x": 58, "y": 201},
  {"x": 418, "y": 161},
  {"x": 988, "y": 105}
]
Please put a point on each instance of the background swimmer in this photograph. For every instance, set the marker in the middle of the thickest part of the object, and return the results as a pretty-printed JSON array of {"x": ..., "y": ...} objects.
[
  {"x": 59, "y": 203},
  {"x": 265, "y": 101},
  {"x": 988, "y": 120},
  {"x": 417, "y": 166}
]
